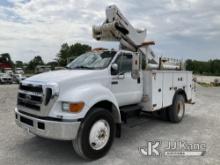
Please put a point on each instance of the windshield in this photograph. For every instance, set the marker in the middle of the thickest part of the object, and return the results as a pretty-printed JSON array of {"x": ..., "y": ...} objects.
[{"x": 92, "y": 60}]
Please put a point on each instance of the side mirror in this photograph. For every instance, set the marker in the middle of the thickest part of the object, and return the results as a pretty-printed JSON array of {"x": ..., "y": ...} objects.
[
  {"x": 135, "y": 73},
  {"x": 114, "y": 69}
]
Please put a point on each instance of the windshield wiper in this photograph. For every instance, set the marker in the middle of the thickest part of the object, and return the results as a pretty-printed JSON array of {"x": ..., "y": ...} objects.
[{"x": 82, "y": 67}]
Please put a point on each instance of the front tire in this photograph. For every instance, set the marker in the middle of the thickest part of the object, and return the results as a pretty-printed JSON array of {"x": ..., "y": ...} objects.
[
  {"x": 177, "y": 110},
  {"x": 95, "y": 135}
]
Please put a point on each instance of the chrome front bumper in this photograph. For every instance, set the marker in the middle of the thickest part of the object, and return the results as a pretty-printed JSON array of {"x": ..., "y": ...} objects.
[{"x": 59, "y": 130}]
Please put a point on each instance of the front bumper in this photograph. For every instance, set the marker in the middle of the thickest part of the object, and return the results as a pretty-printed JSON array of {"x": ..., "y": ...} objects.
[{"x": 59, "y": 130}]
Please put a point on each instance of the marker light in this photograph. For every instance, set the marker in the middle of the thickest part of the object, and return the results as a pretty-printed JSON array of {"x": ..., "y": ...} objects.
[{"x": 72, "y": 107}]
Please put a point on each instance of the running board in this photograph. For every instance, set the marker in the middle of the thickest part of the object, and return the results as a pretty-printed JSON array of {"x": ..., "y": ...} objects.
[{"x": 129, "y": 111}]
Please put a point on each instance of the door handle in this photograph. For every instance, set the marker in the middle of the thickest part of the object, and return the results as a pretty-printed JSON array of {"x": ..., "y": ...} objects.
[{"x": 114, "y": 82}]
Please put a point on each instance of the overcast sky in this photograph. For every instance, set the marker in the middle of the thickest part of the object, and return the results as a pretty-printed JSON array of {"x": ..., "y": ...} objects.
[{"x": 180, "y": 28}]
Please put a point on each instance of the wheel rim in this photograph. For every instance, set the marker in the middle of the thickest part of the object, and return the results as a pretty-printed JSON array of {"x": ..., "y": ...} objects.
[
  {"x": 180, "y": 110},
  {"x": 99, "y": 134}
]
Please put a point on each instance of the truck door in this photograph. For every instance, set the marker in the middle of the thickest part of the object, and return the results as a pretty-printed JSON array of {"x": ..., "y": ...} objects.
[
  {"x": 126, "y": 89},
  {"x": 168, "y": 91}
]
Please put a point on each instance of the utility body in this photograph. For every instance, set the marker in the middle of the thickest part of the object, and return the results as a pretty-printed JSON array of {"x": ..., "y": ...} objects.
[{"x": 89, "y": 100}]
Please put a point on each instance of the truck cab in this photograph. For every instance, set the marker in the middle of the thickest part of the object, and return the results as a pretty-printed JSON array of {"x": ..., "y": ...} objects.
[{"x": 89, "y": 79}]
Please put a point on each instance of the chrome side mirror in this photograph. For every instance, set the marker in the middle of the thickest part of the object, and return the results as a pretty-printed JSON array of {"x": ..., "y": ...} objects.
[
  {"x": 115, "y": 66},
  {"x": 114, "y": 69}
]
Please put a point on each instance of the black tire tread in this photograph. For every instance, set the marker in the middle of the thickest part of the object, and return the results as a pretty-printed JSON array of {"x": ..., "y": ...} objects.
[
  {"x": 77, "y": 143},
  {"x": 172, "y": 109}
]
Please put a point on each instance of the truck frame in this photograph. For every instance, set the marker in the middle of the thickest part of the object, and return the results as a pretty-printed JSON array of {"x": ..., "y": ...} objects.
[{"x": 90, "y": 100}]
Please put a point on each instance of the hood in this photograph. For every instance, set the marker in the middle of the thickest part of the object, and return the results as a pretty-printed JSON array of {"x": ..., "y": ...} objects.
[{"x": 60, "y": 76}]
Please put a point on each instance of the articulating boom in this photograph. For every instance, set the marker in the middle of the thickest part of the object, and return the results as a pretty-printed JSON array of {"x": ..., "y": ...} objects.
[{"x": 117, "y": 28}]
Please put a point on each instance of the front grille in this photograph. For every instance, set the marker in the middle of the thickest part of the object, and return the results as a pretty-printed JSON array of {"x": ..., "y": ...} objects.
[
  {"x": 30, "y": 96},
  {"x": 33, "y": 98},
  {"x": 31, "y": 88},
  {"x": 28, "y": 105}
]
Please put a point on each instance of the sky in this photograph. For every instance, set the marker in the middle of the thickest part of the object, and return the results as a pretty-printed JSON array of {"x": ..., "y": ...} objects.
[{"x": 181, "y": 28}]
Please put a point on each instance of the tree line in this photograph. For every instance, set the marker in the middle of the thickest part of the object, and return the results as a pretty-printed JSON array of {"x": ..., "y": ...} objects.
[
  {"x": 69, "y": 52},
  {"x": 65, "y": 55},
  {"x": 209, "y": 68}
]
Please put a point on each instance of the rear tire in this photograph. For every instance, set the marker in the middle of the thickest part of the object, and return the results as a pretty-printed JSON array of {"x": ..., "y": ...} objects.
[
  {"x": 162, "y": 114},
  {"x": 177, "y": 110},
  {"x": 96, "y": 134}
]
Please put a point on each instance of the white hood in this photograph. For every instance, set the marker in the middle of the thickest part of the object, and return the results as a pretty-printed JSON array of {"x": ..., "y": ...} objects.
[{"x": 61, "y": 75}]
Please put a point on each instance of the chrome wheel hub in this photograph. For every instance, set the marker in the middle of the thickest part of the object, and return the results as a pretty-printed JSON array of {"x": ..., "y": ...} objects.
[
  {"x": 99, "y": 134},
  {"x": 180, "y": 110}
]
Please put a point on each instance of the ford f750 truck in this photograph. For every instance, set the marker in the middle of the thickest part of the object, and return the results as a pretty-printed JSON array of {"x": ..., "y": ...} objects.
[{"x": 89, "y": 100}]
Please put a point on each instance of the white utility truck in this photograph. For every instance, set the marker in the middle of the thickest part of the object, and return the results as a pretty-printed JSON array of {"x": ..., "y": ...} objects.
[{"x": 89, "y": 100}]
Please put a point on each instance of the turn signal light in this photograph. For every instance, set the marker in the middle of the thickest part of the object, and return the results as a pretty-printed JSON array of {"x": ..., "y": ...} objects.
[{"x": 76, "y": 107}]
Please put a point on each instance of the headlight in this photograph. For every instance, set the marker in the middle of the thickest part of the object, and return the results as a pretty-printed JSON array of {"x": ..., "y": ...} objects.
[
  {"x": 72, "y": 107},
  {"x": 65, "y": 106}
]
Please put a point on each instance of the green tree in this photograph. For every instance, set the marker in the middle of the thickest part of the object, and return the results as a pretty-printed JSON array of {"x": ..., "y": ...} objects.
[
  {"x": 37, "y": 60},
  {"x": 63, "y": 54},
  {"x": 189, "y": 65},
  {"x": 211, "y": 67},
  {"x": 215, "y": 67},
  {"x": 19, "y": 64},
  {"x": 71, "y": 51}
]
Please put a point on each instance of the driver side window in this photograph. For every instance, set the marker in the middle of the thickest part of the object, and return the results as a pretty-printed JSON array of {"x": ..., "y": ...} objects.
[{"x": 124, "y": 62}]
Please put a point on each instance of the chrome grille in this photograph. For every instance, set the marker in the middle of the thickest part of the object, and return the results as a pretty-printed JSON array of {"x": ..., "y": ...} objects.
[
  {"x": 30, "y": 96},
  {"x": 31, "y": 88},
  {"x": 36, "y": 99}
]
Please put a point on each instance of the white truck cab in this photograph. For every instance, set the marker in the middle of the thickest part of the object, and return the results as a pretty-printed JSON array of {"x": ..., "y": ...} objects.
[{"x": 89, "y": 100}]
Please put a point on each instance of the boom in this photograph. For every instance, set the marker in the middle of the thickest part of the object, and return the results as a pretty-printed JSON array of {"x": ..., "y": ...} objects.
[{"x": 117, "y": 28}]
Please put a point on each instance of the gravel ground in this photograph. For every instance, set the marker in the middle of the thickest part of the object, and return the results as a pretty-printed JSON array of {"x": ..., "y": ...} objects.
[
  {"x": 200, "y": 125},
  {"x": 207, "y": 79}
]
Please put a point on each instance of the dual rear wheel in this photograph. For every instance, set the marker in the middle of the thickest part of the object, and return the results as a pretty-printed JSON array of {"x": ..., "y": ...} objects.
[{"x": 176, "y": 111}]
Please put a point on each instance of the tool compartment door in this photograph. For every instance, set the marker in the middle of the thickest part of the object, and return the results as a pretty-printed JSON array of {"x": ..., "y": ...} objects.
[
  {"x": 179, "y": 79},
  {"x": 168, "y": 91},
  {"x": 157, "y": 89}
]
